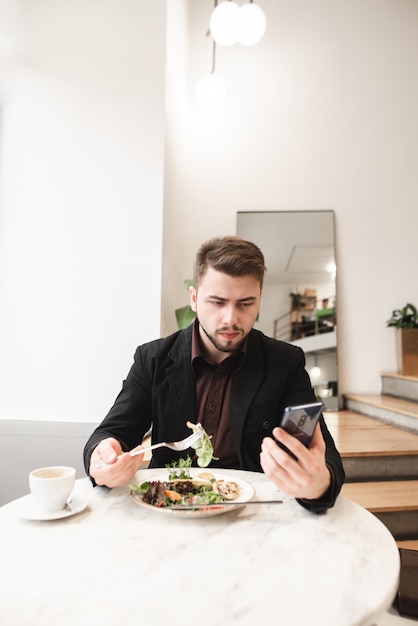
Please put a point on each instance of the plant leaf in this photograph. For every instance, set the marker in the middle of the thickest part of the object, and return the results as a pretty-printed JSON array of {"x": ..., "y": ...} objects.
[{"x": 184, "y": 316}]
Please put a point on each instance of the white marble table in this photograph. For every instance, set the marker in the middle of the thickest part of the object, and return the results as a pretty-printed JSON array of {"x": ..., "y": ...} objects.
[{"x": 118, "y": 563}]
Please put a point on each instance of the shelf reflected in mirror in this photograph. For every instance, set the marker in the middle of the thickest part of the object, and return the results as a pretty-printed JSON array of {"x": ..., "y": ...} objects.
[{"x": 299, "y": 292}]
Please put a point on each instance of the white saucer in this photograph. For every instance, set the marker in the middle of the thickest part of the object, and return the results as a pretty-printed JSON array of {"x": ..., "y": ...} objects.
[{"x": 27, "y": 509}]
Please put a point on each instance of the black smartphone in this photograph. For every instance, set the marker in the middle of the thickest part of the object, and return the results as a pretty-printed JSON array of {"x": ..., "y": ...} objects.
[{"x": 300, "y": 421}]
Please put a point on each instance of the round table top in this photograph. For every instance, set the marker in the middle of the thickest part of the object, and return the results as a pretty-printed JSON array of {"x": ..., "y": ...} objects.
[{"x": 118, "y": 562}]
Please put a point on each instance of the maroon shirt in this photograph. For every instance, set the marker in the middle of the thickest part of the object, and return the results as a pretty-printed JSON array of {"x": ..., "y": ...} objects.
[{"x": 213, "y": 395}]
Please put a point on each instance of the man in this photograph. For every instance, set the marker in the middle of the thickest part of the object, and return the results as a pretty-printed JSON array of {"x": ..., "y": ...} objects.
[{"x": 233, "y": 379}]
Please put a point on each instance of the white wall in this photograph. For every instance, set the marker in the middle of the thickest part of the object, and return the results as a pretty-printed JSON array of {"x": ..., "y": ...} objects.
[
  {"x": 321, "y": 114},
  {"x": 82, "y": 163}
]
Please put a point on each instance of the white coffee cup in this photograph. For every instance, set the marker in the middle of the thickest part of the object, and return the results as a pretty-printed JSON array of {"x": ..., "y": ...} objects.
[{"x": 51, "y": 487}]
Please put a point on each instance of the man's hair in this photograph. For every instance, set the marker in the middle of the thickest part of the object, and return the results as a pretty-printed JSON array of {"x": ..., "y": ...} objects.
[{"x": 231, "y": 255}]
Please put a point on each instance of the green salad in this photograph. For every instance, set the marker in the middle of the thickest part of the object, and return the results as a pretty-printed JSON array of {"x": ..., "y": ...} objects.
[
  {"x": 203, "y": 446},
  {"x": 177, "y": 492},
  {"x": 201, "y": 490},
  {"x": 179, "y": 469}
]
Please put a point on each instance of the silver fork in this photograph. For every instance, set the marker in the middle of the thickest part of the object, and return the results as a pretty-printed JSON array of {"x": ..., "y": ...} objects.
[{"x": 178, "y": 446}]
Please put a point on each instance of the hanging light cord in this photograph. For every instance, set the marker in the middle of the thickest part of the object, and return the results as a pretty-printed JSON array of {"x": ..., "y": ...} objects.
[
  {"x": 214, "y": 45},
  {"x": 213, "y": 57}
]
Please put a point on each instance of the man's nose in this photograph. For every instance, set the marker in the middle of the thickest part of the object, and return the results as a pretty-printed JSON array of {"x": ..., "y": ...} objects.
[{"x": 230, "y": 315}]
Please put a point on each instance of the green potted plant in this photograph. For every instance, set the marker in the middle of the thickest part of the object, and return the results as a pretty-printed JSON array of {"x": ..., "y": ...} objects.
[
  {"x": 404, "y": 318},
  {"x": 405, "y": 321},
  {"x": 185, "y": 315}
]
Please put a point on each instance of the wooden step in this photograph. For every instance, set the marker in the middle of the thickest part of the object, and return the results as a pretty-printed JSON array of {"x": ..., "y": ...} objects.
[
  {"x": 384, "y": 496},
  {"x": 390, "y": 403},
  {"x": 400, "y": 386},
  {"x": 408, "y": 544},
  {"x": 395, "y": 503},
  {"x": 397, "y": 412},
  {"x": 371, "y": 449},
  {"x": 359, "y": 435},
  {"x": 377, "y": 437}
]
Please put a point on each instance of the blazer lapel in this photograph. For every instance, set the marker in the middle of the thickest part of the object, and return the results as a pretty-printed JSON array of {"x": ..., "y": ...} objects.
[{"x": 181, "y": 381}]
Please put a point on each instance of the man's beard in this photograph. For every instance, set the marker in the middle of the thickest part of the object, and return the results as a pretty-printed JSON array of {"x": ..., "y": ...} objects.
[{"x": 228, "y": 347}]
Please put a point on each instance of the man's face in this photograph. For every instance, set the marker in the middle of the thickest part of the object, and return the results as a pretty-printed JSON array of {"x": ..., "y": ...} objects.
[{"x": 226, "y": 307}]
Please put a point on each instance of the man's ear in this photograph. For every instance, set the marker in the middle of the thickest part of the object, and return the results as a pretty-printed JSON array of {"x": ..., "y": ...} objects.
[{"x": 193, "y": 297}]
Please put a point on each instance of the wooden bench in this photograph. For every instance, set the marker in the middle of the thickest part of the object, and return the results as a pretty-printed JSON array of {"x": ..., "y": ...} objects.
[{"x": 406, "y": 600}]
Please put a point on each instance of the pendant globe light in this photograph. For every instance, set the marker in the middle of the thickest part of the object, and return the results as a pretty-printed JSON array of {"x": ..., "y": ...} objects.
[
  {"x": 316, "y": 370},
  {"x": 231, "y": 23},
  {"x": 224, "y": 23},
  {"x": 252, "y": 24}
]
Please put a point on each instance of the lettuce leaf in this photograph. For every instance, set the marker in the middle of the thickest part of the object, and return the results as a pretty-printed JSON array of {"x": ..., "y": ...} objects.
[{"x": 203, "y": 446}]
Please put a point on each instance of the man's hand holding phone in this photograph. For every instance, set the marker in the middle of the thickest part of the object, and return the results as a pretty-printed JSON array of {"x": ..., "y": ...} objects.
[{"x": 303, "y": 473}]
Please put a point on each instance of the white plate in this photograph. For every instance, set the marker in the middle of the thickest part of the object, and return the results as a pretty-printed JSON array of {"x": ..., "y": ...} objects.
[
  {"x": 27, "y": 509},
  {"x": 246, "y": 493}
]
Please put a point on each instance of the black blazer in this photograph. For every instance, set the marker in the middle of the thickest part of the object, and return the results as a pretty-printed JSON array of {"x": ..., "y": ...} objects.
[{"x": 159, "y": 392}]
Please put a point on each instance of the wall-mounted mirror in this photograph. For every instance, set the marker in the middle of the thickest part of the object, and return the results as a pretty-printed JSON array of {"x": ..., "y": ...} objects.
[{"x": 299, "y": 293}]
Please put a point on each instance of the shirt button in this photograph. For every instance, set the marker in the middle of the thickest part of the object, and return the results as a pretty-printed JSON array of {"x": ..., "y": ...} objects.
[
  {"x": 266, "y": 425},
  {"x": 212, "y": 409}
]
